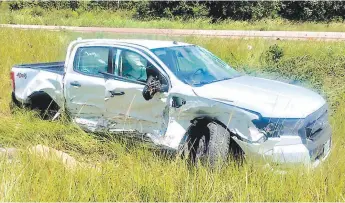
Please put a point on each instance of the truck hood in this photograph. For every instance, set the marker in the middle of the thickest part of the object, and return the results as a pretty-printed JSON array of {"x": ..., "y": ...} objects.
[{"x": 270, "y": 98}]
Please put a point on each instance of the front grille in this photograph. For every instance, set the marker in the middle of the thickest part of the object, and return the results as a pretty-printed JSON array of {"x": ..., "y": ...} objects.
[{"x": 316, "y": 122}]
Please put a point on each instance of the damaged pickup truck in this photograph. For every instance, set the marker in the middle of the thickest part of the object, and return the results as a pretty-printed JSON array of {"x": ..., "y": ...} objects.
[{"x": 177, "y": 95}]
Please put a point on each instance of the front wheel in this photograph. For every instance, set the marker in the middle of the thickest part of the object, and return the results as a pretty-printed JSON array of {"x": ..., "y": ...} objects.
[{"x": 209, "y": 143}]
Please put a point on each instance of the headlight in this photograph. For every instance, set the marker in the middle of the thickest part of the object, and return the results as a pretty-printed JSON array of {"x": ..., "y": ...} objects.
[{"x": 274, "y": 127}]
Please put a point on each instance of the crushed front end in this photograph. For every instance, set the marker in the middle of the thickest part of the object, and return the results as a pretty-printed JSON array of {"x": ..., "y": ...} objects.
[{"x": 306, "y": 140}]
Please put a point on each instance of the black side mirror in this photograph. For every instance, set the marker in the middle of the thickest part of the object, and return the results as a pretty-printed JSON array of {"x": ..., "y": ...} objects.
[{"x": 152, "y": 86}]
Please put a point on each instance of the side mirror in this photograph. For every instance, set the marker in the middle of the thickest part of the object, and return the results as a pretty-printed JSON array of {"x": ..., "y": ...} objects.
[{"x": 152, "y": 86}]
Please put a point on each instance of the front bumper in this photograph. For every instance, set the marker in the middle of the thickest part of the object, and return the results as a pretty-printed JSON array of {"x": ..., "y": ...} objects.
[
  {"x": 310, "y": 151},
  {"x": 292, "y": 149}
]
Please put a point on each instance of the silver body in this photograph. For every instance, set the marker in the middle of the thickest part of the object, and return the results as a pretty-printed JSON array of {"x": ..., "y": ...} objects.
[{"x": 234, "y": 103}]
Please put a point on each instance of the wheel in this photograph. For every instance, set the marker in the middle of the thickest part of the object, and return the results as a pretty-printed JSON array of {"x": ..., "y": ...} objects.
[
  {"x": 209, "y": 143},
  {"x": 46, "y": 107},
  {"x": 46, "y": 110},
  {"x": 14, "y": 103}
]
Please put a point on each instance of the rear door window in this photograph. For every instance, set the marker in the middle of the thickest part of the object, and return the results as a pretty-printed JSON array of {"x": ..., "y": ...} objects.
[{"x": 92, "y": 60}]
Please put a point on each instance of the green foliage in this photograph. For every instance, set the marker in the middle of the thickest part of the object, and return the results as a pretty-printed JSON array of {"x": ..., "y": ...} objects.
[
  {"x": 215, "y": 10},
  {"x": 313, "y": 10},
  {"x": 128, "y": 18},
  {"x": 17, "y": 5},
  {"x": 273, "y": 54},
  {"x": 71, "y": 14},
  {"x": 37, "y": 11},
  {"x": 170, "y": 9},
  {"x": 242, "y": 10}
]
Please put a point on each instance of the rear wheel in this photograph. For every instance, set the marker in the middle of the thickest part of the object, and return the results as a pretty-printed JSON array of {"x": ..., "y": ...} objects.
[
  {"x": 14, "y": 103},
  {"x": 209, "y": 143},
  {"x": 45, "y": 105}
]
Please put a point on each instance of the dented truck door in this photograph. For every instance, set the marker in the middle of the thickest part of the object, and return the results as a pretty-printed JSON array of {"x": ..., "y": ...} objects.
[
  {"x": 84, "y": 84},
  {"x": 126, "y": 108}
]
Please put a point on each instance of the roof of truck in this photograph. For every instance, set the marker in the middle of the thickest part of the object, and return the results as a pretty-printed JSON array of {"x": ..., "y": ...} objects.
[
  {"x": 154, "y": 44},
  {"x": 149, "y": 44}
]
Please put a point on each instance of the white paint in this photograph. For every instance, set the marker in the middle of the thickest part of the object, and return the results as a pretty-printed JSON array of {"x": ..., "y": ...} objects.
[{"x": 270, "y": 98}]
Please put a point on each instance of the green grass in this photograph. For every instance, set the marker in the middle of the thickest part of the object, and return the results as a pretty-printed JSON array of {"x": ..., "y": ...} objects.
[
  {"x": 126, "y": 19},
  {"x": 130, "y": 171}
]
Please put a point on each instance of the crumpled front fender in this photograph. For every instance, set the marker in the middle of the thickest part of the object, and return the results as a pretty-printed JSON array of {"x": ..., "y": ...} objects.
[{"x": 237, "y": 120}]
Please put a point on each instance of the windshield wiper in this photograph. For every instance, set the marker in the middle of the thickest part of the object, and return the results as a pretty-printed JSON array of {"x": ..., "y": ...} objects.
[
  {"x": 212, "y": 81},
  {"x": 223, "y": 79}
]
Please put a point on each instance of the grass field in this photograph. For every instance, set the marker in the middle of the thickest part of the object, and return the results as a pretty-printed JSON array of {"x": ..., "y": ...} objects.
[
  {"x": 125, "y": 19},
  {"x": 124, "y": 170}
]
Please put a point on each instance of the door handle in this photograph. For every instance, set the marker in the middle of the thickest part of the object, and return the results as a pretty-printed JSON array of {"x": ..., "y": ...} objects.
[
  {"x": 114, "y": 93},
  {"x": 177, "y": 102},
  {"x": 75, "y": 84}
]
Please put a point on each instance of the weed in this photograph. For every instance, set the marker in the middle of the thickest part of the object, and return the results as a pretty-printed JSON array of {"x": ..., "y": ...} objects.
[{"x": 274, "y": 54}]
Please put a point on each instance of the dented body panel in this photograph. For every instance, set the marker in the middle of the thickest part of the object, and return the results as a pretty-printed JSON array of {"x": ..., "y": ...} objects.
[
  {"x": 245, "y": 105},
  {"x": 33, "y": 78}
]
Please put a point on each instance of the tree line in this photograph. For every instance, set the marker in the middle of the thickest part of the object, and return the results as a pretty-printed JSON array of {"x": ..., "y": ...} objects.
[{"x": 215, "y": 10}]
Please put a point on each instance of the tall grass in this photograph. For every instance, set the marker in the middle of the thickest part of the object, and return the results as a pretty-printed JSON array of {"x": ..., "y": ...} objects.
[
  {"x": 126, "y": 19},
  {"x": 122, "y": 170}
]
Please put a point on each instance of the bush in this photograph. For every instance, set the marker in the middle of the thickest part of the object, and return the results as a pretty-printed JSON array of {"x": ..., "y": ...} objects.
[
  {"x": 274, "y": 54},
  {"x": 216, "y": 10},
  {"x": 37, "y": 11},
  {"x": 312, "y": 10},
  {"x": 157, "y": 9},
  {"x": 71, "y": 14},
  {"x": 17, "y": 5},
  {"x": 242, "y": 10}
]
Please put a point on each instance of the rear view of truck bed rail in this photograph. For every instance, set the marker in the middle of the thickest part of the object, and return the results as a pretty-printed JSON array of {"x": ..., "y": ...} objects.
[{"x": 56, "y": 67}]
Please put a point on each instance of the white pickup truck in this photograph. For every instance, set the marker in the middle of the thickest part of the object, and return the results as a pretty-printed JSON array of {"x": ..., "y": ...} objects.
[{"x": 177, "y": 96}]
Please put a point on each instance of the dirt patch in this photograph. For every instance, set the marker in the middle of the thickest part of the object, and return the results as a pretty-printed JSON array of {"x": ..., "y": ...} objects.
[{"x": 43, "y": 151}]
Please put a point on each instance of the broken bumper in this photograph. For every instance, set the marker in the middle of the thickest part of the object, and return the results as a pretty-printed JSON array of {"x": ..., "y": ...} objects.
[
  {"x": 312, "y": 152},
  {"x": 306, "y": 151}
]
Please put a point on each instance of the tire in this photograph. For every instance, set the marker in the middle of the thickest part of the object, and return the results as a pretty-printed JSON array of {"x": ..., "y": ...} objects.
[
  {"x": 14, "y": 103},
  {"x": 45, "y": 106},
  {"x": 209, "y": 143}
]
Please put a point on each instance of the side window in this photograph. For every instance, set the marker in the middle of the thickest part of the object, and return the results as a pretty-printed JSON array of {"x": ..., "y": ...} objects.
[
  {"x": 91, "y": 60},
  {"x": 132, "y": 65}
]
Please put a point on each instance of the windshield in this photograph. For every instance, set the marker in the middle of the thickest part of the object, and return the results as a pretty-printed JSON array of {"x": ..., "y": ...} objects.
[{"x": 195, "y": 65}]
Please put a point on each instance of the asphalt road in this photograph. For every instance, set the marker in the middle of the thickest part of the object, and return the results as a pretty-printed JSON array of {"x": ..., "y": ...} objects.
[{"x": 277, "y": 35}]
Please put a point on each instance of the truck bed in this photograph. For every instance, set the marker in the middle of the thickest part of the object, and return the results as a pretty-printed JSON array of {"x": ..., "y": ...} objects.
[{"x": 56, "y": 67}]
